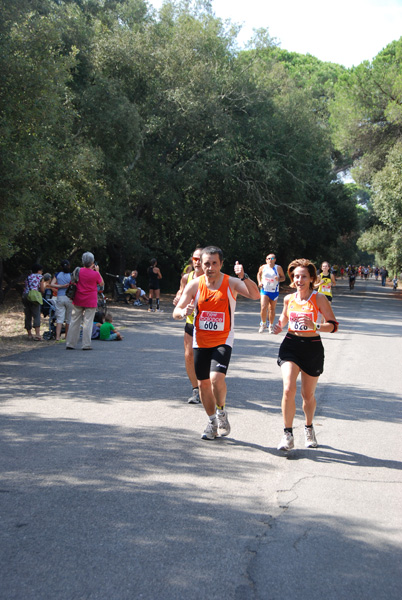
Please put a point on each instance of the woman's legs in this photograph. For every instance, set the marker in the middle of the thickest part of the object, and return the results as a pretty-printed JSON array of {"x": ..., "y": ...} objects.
[
  {"x": 27, "y": 317},
  {"x": 74, "y": 330},
  {"x": 308, "y": 386},
  {"x": 290, "y": 372},
  {"x": 89, "y": 315}
]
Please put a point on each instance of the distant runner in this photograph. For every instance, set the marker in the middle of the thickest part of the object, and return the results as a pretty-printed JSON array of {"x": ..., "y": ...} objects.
[{"x": 269, "y": 277}]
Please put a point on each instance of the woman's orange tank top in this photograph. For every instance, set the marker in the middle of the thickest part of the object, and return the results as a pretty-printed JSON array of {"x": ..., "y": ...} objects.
[{"x": 296, "y": 308}]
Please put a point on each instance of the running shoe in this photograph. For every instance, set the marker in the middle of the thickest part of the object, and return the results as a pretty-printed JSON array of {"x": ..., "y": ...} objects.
[
  {"x": 311, "y": 440},
  {"x": 270, "y": 329},
  {"x": 223, "y": 422},
  {"x": 262, "y": 327},
  {"x": 195, "y": 397},
  {"x": 137, "y": 303},
  {"x": 151, "y": 310},
  {"x": 287, "y": 442},
  {"x": 210, "y": 431},
  {"x": 159, "y": 310}
]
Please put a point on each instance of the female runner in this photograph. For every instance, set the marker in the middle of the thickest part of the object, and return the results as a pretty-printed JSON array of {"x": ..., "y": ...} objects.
[
  {"x": 301, "y": 350},
  {"x": 326, "y": 281}
]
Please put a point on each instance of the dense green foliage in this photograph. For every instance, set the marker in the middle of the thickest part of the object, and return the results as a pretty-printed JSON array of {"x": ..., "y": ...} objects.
[
  {"x": 366, "y": 115},
  {"x": 139, "y": 134}
]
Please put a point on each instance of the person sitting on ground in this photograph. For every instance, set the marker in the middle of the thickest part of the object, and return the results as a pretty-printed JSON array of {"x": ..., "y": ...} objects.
[
  {"x": 107, "y": 331},
  {"x": 99, "y": 319}
]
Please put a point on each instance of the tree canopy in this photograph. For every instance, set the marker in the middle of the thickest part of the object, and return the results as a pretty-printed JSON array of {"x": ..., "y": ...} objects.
[
  {"x": 366, "y": 115},
  {"x": 137, "y": 133}
]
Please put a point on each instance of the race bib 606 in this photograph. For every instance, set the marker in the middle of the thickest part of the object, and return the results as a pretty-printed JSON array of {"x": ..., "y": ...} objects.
[{"x": 212, "y": 321}]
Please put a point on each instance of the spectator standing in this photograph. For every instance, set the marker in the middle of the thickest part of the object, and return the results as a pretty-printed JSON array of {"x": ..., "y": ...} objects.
[
  {"x": 85, "y": 303},
  {"x": 34, "y": 281},
  {"x": 63, "y": 304},
  {"x": 154, "y": 275}
]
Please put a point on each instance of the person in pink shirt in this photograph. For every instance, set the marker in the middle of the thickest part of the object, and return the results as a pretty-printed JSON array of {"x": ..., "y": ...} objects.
[{"x": 85, "y": 303}]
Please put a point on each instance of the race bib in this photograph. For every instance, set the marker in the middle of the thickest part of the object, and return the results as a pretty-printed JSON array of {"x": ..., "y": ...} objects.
[
  {"x": 212, "y": 321},
  {"x": 294, "y": 324},
  {"x": 326, "y": 289},
  {"x": 270, "y": 284}
]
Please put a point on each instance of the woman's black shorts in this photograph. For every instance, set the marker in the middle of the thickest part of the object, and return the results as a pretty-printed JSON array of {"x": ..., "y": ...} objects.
[{"x": 306, "y": 352}]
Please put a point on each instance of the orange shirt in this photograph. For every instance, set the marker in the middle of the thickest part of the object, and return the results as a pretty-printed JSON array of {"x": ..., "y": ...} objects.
[
  {"x": 296, "y": 308},
  {"x": 214, "y": 315}
]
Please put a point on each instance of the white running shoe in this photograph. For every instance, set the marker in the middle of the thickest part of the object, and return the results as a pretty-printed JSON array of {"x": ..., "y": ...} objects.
[
  {"x": 262, "y": 327},
  {"x": 195, "y": 397},
  {"x": 311, "y": 440},
  {"x": 223, "y": 422},
  {"x": 270, "y": 329},
  {"x": 287, "y": 442},
  {"x": 210, "y": 431}
]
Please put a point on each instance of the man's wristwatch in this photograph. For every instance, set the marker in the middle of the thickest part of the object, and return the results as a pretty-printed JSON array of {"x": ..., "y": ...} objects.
[{"x": 245, "y": 277}]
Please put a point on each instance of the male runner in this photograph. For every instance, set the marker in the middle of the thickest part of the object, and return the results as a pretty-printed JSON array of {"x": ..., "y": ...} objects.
[
  {"x": 212, "y": 297},
  {"x": 189, "y": 326},
  {"x": 269, "y": 277}
]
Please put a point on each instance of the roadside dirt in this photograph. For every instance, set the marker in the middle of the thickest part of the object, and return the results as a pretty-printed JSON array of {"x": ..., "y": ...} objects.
[{"x": 14, "y": 339}]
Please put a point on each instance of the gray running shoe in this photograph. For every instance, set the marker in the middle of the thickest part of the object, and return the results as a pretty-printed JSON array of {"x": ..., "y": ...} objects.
[
  {"x": 311, "y": 440},
  {"x": 262, "y": 327},
  {"x": 210, "y": 431},
  {"x": 195, "y": 397},
  {"x": 223, "y": 423},
  {"x": 287, "y": 442}
]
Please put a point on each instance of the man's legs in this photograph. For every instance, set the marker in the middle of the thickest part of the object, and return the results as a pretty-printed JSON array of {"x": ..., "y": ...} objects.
[
  {"x": 213, "y": 392},
  {"x": 271, "y": 310},
  {"x": 263, "y": 312},
  {"x": 189, "y": 363}
]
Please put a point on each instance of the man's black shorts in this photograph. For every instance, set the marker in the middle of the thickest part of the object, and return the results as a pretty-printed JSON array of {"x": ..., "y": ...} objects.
[
  {"x": 211, "y": 359},
  {"x": 189, "y": 328}
]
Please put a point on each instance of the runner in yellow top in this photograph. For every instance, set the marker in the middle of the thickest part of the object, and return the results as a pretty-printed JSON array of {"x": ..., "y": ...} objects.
[
  {"x": 188, "y": 328},
  {"x": 212, "y": 297},
  {"x": 326, "y": 281},
  {"x": 301, "y": 350}
]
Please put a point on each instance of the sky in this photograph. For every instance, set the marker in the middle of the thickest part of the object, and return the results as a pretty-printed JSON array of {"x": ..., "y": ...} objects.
[{"x": 346, "y": 32}]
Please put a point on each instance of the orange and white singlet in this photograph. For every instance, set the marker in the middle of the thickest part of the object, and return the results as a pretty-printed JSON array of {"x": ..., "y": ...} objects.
[
  {"x": 214, "y": 315},
  {"x": 302, "y": 307}
]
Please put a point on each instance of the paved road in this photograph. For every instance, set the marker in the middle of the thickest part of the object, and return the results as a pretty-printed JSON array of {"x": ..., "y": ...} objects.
[{"x": 108, "y": 492}]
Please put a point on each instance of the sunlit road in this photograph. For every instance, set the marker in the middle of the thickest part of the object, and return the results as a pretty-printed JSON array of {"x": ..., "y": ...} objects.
[{"x": 108, "y": 492}]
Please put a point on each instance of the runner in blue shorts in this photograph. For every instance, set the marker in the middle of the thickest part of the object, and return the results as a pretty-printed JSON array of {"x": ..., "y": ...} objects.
[{"x": 269, "y": 277}]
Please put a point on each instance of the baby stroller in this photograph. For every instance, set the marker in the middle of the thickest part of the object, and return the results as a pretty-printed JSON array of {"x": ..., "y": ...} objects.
[{"x": 49, "y": 310}]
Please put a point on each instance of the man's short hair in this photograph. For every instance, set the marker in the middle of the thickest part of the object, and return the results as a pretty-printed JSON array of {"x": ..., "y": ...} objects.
[{"x": 213, "y": 250}]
